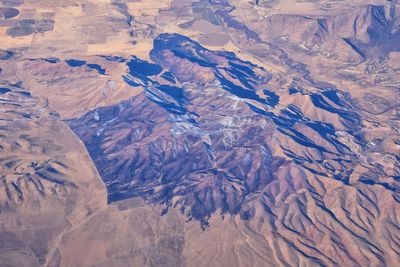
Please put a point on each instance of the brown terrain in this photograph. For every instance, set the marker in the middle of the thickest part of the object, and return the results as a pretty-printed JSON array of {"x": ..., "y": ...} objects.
[{"x": 199, "y": 133}]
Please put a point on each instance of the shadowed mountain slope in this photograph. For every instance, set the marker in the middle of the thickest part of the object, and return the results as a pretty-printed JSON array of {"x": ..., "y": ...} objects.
[
  {"x": 199, "y": 133},
  {"x": 218, "y": 136},
  {"x": 369, "y": 31}
]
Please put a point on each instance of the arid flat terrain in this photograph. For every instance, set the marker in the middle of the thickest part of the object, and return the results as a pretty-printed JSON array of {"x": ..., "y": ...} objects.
[{"x": 199, "y": 133}]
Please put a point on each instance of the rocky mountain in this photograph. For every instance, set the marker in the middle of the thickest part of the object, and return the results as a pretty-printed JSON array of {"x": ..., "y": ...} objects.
[
  {"x": 217, "y": 138},
  {"x": 200, "y": 133},
  {"x": 356, "y": 34},
  {"x": 42, "y": 188}
]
